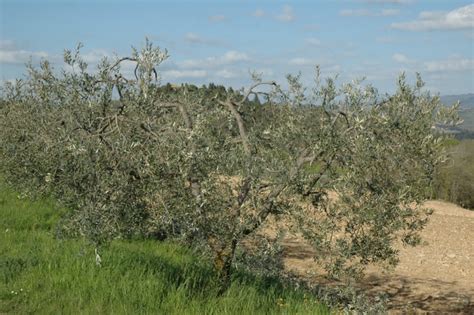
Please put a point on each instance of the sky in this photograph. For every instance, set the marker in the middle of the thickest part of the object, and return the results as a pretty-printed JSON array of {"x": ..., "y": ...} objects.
[{"x": 224, "y": 41}]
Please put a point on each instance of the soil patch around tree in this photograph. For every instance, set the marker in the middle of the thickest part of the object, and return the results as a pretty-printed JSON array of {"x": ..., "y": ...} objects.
[{"x": 434, "y": 277}]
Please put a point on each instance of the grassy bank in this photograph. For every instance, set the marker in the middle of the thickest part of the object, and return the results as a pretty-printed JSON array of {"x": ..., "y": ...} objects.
[{"x": 44, "y": 275}]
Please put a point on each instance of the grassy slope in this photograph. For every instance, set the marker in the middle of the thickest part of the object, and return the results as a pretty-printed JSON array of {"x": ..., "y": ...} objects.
[{"x": 40, "y": 274}]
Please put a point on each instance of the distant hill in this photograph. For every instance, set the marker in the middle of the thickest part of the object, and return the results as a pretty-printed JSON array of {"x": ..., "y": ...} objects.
[
  {"x": 468, "y": 116},
  {"x": 466, "y": 100},
  {"x": 466, "y": 112}
]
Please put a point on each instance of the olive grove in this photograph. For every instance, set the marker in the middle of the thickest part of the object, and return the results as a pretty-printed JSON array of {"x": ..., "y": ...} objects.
[{"x": 341, "y": 165}]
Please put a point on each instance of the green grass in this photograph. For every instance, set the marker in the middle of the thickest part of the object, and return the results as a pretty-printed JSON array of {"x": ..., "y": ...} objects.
[{"x": 43, "y": 275}]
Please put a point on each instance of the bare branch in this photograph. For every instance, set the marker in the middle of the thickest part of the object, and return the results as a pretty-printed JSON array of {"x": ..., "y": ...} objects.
[
  {"x": 250, "y": 91},
  {"x": 340, "y": 113},
  {"x": 240, "y": 123},
  {"x": 122, "y": 60}
]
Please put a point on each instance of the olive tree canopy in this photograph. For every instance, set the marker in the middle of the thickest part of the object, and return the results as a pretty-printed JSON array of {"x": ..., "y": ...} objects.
[{"x": 343, "y": 166}]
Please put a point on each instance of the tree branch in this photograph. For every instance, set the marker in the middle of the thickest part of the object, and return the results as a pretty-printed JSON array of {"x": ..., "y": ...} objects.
[
  {"x": 184, "y": 115},
  {"x": 250, "y": 91},
  {"x": 240, "y": 124},
  {"x": 269, "y": 204},
  {"x": 122, "y": 60},
  {"x": 316, "y": 178}
]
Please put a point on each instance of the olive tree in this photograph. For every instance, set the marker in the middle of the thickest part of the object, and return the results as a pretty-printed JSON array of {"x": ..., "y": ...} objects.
[{"x": 343, "y": 166}]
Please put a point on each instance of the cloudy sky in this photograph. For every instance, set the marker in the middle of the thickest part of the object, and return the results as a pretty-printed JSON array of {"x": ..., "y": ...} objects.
[{"x": 223, "y": 41}]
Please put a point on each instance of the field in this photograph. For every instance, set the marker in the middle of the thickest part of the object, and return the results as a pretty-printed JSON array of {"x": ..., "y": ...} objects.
[{"x": 44, "y": 275}]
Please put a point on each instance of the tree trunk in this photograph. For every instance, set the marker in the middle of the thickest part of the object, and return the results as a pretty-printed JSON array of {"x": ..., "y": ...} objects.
[{"x": 223, "y": 265}]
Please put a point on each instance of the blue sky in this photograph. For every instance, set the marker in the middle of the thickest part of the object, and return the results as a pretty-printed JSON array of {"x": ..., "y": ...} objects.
[{"x": 222, "y": 41}]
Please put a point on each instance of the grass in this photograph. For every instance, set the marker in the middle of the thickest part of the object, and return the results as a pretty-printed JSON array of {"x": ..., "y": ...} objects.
[{"x": 44, "y": 275}]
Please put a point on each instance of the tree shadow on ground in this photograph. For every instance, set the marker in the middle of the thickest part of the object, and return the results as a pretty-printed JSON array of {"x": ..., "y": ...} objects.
[
  {"x": 193, "y": 272},
  {"x": 414, "y": 295}
]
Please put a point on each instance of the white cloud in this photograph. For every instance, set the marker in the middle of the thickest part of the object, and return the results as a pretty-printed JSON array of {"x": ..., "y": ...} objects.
[
  {"x": 287, "y": 14},
  {"x": 265, "y": 72},
  {"x": 194, "y": 38},
  {"x": 234, "y": 56},
  {"x": 300, "y": 61},
  {"x": 326, "y": 64},
  {"x": 179, "y": 74},
  {"x": 94, "y": 56},
  {"x": 460, "y": 18},
  {"x": 193, "y": 63},
  {"x": 455, "y": 63},
  {"x": 389, "y": 12},
  {"x": 10, "y": 54},
  {"x": 229, "y": 57},
  {"x": 313, "y": 41},
  {"x": 217, "y": 18},
  {"x": 7, "y": 44},
  {"x": 20, "y": 56},
  {"x": 401, "y": 58},
  {"x": 258, "y": 13},
  {"x": 351, "y": 12},
  {"x": 367, "y": 12},
  {"x": 226, "y": 74}
]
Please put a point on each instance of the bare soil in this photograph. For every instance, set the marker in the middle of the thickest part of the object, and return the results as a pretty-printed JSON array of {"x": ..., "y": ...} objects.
[{"x": 436, "y": 277}]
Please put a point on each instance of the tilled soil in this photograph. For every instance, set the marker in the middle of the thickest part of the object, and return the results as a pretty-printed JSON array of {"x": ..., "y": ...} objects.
[{"x": 436, "y": 277}]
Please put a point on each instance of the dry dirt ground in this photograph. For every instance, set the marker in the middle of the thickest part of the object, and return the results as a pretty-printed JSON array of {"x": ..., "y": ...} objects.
[{"x": 436, "y": 277}]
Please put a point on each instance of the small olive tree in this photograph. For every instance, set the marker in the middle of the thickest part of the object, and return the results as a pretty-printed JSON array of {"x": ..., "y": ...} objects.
[{"x": 343, "y": 166}]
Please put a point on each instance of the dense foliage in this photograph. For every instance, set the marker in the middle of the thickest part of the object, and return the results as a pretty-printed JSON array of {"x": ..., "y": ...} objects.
[{"x": 343, "y": 166}]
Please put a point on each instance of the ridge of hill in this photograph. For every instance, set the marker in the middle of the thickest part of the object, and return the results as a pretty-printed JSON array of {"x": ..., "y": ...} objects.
[
  {"x": 466, "y": 100},
  {"x": 466, "y": 112}
]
